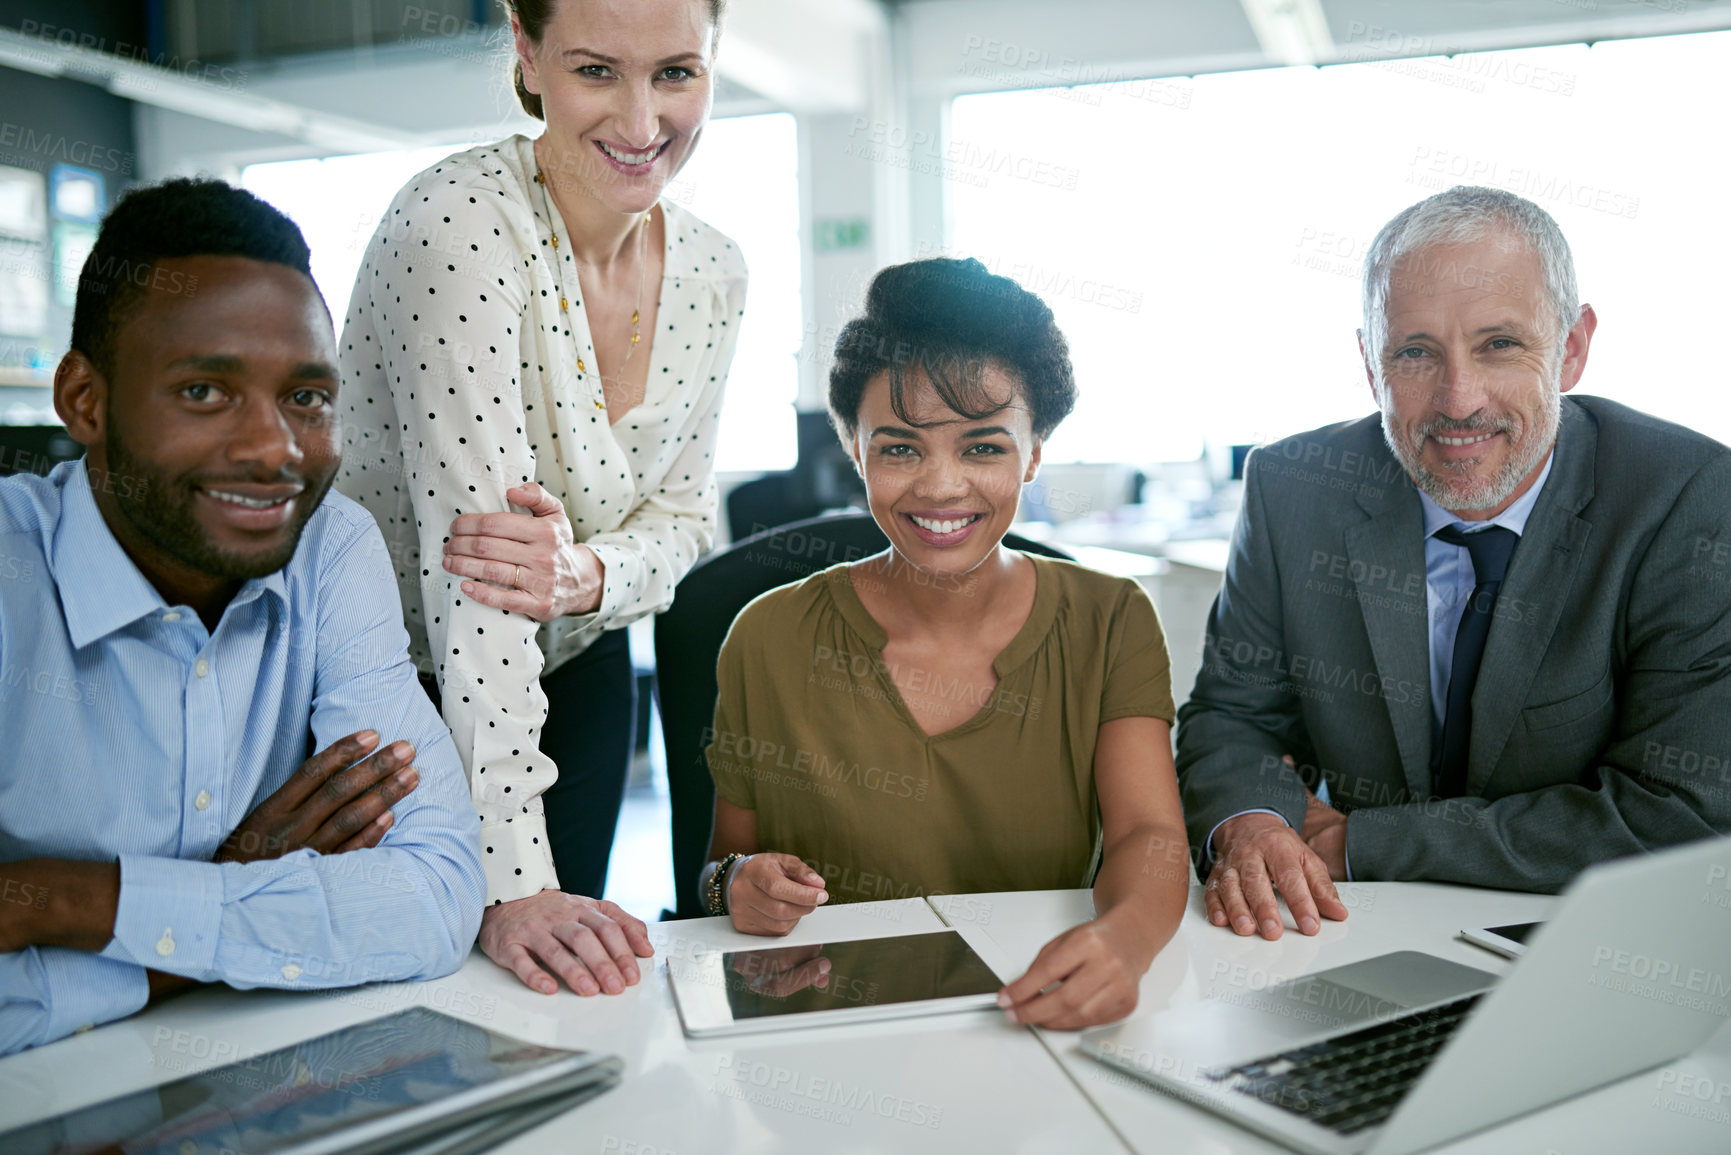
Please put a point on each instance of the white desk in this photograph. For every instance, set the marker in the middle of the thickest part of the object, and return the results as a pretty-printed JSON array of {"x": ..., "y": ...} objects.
[
  {"x": 1644, "y": 1113},
  {"x": 952, "y": 1084}
]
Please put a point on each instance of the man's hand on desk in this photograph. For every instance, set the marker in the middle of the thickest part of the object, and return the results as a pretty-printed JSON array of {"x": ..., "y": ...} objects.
[
  {"x": 1257, "y": 853},
  {"x": 593, "y": 945},
  {"x": 339, "y": 800},
  {"x": 1325, "y": 833}
]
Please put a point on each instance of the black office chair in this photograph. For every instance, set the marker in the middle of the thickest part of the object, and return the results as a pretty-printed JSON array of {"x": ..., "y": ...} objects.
[
  {"x": 35, "y": 448},
  {"x": 688, "y": 640}
]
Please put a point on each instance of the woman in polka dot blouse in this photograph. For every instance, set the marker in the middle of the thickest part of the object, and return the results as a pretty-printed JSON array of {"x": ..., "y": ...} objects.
[{"x": 533, "y": 363}]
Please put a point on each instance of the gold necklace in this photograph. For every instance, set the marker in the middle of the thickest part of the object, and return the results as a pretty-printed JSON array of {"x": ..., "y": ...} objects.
[{"x": 565, "y": 307}]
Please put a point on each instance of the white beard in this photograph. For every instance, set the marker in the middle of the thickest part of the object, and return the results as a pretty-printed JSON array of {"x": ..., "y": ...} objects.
[{"x": 1465, "y": 492}]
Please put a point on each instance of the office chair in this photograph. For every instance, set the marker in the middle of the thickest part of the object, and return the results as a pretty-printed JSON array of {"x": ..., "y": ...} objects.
[{"x": 688, "y": 640}]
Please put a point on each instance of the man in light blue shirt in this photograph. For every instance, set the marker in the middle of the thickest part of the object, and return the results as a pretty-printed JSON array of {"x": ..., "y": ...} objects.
[{"x": 185, "y": 615}]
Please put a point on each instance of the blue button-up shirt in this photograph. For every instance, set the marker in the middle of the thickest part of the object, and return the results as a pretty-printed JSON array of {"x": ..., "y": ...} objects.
[{"x": 129, "y": 732}]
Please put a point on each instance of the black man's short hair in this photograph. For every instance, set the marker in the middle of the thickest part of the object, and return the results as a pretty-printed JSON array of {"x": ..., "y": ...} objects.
[{"x": 177, "y": 218}]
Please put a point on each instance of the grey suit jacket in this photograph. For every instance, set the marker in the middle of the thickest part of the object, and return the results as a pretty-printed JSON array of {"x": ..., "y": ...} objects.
[{"x": 1602, "y": 711}]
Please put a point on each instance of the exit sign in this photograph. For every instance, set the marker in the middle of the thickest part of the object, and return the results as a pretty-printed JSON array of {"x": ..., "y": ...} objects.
[{"x": 835, "y": 235}]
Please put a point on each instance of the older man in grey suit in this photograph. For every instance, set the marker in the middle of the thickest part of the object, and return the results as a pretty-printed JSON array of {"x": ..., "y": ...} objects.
[{"x": 1484, "y": 637}]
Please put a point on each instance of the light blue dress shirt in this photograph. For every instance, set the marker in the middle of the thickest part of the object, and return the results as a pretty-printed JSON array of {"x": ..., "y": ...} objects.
[
  {"x": 1449, "y": 581},
  {"x": 131, "y": 733}
]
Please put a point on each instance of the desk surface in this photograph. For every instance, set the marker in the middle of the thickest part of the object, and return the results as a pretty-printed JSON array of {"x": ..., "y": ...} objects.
[
  {"x": 1639, "y": 1114},
  {"x": 952, "y": 1083}
]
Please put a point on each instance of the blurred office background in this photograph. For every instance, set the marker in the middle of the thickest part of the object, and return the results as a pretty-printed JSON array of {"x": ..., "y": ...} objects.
[{"x": 1191, "y": 184}]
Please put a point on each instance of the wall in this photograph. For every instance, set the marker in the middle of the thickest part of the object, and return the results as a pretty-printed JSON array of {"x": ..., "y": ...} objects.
[{"x": 44, "y": 122}]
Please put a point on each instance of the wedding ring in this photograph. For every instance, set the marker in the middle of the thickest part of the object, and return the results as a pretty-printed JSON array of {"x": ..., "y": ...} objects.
[{"x": 517, "y": 578}]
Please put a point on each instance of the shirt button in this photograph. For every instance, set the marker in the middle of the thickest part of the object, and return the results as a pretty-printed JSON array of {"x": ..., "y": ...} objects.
[
  {"x": 165, "y": 944},
  {"x": 291, "y": 972},
  {"x": 203, "y": 667},
  {"x": 202, "y": 802},
  {"x": 171, "y": 617}
]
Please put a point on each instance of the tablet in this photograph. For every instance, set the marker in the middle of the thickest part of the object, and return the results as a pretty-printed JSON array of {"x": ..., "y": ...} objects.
[
  {"x": 415, "y": 1081},
  {"x": 1509, "y": 941},
  {"x": 858, "y": 980}
]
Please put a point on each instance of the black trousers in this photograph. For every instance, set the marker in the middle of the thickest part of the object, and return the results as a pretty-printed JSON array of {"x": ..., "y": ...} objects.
[{"x": 590, "y": 732}]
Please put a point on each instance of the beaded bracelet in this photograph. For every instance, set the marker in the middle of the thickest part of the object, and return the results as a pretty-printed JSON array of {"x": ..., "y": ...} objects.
[{"x": 715, "y": 890}]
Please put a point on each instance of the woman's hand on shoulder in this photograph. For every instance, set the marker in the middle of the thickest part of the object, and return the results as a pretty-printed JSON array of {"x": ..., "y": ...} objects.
[
  {"x": 528, "y": 563},
  {"x": 1098, "y": 968},
  {"x": 770, "y": 893}
]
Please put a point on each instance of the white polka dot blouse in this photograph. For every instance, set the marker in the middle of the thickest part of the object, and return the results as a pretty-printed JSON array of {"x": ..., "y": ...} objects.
[{"x": 461, "y": 380}]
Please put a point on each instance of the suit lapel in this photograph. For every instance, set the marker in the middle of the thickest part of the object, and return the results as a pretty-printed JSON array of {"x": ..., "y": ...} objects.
[
  {"x": 1541, "y": 574},
  {"x": 1393, "y": 539}
]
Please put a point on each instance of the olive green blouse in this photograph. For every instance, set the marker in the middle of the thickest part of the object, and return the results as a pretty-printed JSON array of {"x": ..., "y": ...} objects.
[{"x": 812, "y": 734}]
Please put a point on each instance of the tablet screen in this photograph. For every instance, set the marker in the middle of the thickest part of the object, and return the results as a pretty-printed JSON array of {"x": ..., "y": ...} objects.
[
  {"x": 280, "y": 1100},
  {"x": 792, "y": 980}
]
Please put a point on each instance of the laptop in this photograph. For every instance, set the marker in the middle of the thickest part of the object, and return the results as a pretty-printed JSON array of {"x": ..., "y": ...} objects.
[{"x": 1407, "y": 1050}]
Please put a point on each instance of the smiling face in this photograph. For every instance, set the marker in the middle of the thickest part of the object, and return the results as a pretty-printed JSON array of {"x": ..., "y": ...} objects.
[
  {"x": 625, "y": 87},
  {"x": 216, "y": 437},
  {"x": 1470, "y": 378},
  {"x": 944, "y": 488}
]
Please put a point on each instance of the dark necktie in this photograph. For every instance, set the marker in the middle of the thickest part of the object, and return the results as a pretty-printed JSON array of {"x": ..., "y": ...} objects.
[{"x": 1491, "y": 549}]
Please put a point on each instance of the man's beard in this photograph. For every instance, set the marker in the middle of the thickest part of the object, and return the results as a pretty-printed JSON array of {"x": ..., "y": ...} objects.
[
  {"x": 161, "y": 509},
  {"x": 1464, "y": 492}
]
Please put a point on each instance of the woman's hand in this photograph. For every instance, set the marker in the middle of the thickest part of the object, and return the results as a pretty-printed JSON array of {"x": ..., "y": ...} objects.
[
  {"x": 770, "y": 893},
  {"x": 532, "y": 561},
  {"x": 1098, "y": 967},
  {"x": 593, "y": 945}
]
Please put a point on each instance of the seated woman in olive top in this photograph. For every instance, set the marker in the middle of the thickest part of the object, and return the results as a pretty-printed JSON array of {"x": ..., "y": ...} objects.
[{"x": 951, "y": 716}]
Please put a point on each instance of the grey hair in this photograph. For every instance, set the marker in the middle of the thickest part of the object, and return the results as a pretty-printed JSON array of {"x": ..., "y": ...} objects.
[{"x": 1455, "y": 216}]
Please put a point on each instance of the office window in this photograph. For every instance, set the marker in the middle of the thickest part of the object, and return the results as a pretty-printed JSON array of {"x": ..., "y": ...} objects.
[
  {"x": 1201, "y": 240},
  {"x": 744, "y": 180}
]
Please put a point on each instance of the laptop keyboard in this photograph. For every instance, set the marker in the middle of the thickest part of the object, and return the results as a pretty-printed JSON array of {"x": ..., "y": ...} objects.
[{"x": 1351, "y": 1081}]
